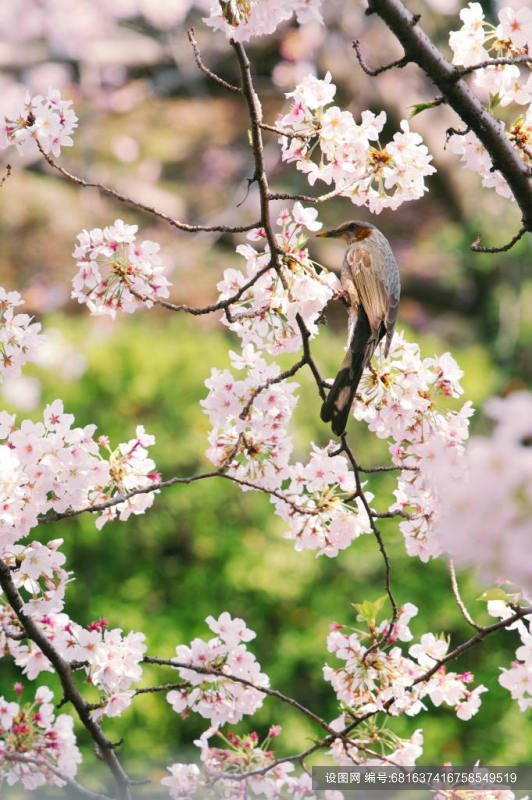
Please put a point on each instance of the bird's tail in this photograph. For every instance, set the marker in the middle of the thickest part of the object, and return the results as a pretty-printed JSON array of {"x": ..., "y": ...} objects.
[{"x": 340, "y": 398}]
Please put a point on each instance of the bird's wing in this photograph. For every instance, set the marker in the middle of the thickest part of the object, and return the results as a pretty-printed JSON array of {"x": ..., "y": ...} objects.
[{"x": 359, "y": 266}]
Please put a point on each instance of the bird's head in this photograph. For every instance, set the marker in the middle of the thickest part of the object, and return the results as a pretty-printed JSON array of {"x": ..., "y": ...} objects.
[{"x": 355, "y": 231}]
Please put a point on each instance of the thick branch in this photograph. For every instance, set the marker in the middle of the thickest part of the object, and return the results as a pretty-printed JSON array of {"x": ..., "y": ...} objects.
[
  {"x": 420, "y": 49},
  {"x": 64, "y": 672}
]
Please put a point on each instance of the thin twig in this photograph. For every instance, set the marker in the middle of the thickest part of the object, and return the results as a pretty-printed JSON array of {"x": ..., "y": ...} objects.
[
  {"x": 492, "y": 62},
  {"x": 399, "y": 63},
  {"x": 376, "y": 532},
  {"x": 182, "y": 226},
  {"x": 220, "y": 305},
  {"x": 210, "y": 74},
  {"x": 218, "y": 673},
  {"x": 459, "y": 602},
  {"x": 478, "y": 248}
]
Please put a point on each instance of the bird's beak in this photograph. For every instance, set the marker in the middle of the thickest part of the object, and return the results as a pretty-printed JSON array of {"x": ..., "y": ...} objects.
[{"x": 324, "y": 234}]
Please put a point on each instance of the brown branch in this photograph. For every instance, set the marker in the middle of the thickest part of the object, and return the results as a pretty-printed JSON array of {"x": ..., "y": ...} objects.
[
  {"x": 399, "y": 64},
  {"x": 220, "y": 305},
  {"x": 279, "y": 132},
  {"x": 210, "y": 74},
  {"x": 155, "y": 487},
  {"x": 64, "y": 673},
  {"x": 492, "y": 62},
  {"x": 182, "y": 226},
  {"x": 420, "y": 49},
  {"x": 257, "y": 145},
  {"x": 478, "y": 248},
  {"x": 289, "y": 373},
  {"x": 169, "y": 662}
]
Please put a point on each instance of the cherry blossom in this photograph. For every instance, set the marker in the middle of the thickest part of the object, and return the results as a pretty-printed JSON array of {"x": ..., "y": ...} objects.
[
  {"x": 243, "y": 20},
  {"x": 499, "y": 85},
  {"x": 130, "y": 469},
  {"x": 375, "y": 679},
  {"x": 253, "y": 446},
  {"x": 20, "y": 338},
  {"x": 115, "y": 273},
  {"x": 36, "y": 747},
  {"x": 266, "y": 314},
  {"x": 398, "y": 400},
  {"x": 48, "y": 120},
  {"x": 351, "y": 156},
  {"x": 217, "y": 698},
  {"x": 52, "y": 466},
  {"x": 240, "y": 755},
  {"x": 321, "y": 508}
]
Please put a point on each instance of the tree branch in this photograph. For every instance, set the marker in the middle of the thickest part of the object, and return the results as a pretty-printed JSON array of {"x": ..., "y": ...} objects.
[
  {"x": 182, "y": 226},
  {"x": 478, "y": 248},
  {"x": 420, "y": 49},
  {"x": 64, "y": 673},
  {"x": 210, "y": 74},
  {"x": 399, "y": 64}
]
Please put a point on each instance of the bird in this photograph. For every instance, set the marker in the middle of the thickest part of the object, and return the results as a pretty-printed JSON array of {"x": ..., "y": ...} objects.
[{"x": 372, "y": 287}]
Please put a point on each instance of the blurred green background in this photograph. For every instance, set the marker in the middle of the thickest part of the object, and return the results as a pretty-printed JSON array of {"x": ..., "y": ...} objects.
[{"x": 167, "y": 137}]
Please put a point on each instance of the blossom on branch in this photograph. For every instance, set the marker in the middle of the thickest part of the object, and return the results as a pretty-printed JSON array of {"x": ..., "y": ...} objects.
[
  {"x": 351, "y": 156},
  {"x": 399, "y": 401},
  {"x": 518, "y": 677},
  {"x": 265, "y": 315},
  {"x": 117, "y": 273},
  {"x": 36, "y": 747},
  {"x": 242, "y": 20},
  {"x": 249, "y": 436},
  {"x": 375, "y": 679},
  {"x": 321, "y": 506},
  {"x": 216, "y": 697},
  {"x": 19, "y": 336},
  {"x": 48, "y": 120}
]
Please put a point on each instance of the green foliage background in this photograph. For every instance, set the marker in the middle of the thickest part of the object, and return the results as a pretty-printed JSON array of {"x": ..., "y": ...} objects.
[{"x": 209, "y": 547}]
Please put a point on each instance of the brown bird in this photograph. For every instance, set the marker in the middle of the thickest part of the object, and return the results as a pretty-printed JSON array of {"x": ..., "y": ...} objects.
[{"x": 371, "y": 283}]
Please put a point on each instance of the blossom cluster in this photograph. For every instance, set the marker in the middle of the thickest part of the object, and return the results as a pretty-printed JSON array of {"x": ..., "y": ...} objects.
[
  {"x": 385, "y": 679},
  {"x": 321, "y": 506},
  {"x": 266, "y": 313},
  {"x": 36, "y": 747},
  {"x": 249, "y": 439},
  {"x": 518, "y": 677},
  {"x": 110, "y": 659},
  {"x": 50, "y": 466},
  {"x": 249, "y": 436},
  {"x": 491, "y": 495},
  {"x": 243, "y": 20},
  {"x": 216, "y": 697},
  {"x": 350, "y": 154},
  {"x": 241, "y": 755},
  {"x": 47, "y": 120},
  {"x": 117, "y": 273},
  {"x": 399, "y": 400},
  {"x": 499, "y": 85},
  {"x": 19, "y": 336}
]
